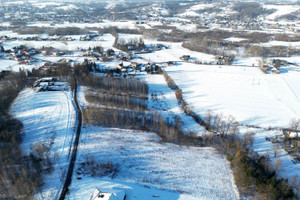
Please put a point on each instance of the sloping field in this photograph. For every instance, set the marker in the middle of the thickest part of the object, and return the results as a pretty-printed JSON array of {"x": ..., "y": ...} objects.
[
  {"x": 49, "y": 118},
  {"x": 252, "y": 97},
  {"x": 194, "y": 173}
]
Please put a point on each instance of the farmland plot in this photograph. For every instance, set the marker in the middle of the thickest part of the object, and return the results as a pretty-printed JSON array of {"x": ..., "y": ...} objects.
[
  {"x": 141, "y": 159},
  {"x": 48, "y": 118}
]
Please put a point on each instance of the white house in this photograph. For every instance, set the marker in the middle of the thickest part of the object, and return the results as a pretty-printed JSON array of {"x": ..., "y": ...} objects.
[
  {"x": 112, "y": 195},
  {"x": 292, "y": 133}
]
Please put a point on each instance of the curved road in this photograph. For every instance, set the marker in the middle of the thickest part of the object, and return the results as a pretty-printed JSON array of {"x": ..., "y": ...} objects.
[{"x": 64, "y": 190}]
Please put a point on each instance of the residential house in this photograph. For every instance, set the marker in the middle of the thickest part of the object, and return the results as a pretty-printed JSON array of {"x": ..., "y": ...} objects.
[
  {"x": 113, "y": 195},
  {"x": 120, "y": 66},
  {"x": 291, "y": 133},
  {"x": 133, "y": 65}
]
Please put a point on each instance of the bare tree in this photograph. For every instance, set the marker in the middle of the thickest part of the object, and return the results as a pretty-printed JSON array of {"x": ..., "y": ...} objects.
[
  {"x": 278, "y": 165},
  {"x": 295, "y": 124},
  {"x": 208, "y": 118},
  {"x": 276, "y": 148}
]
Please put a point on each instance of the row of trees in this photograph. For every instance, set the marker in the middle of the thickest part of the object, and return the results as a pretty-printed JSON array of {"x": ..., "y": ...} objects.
[
  {"x": 275, "y": 51},
  {"x": 169, "y": 129},
  {"x": 133, "y": 44},
  {"x": 124, "y": 101}
]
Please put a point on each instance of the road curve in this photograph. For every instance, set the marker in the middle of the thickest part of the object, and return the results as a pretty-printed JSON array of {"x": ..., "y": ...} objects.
[{"x": 64, "y": 190}]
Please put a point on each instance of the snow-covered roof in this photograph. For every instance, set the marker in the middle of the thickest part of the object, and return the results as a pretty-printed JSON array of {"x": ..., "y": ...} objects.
[{"x": 112, "y": 195}]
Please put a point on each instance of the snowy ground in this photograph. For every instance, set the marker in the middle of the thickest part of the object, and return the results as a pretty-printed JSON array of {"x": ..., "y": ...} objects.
[
  {"x": 248, "y": 94},
  {"x": 145, "y": 163},
  {"x": 15, "y": 66},
  {"x": 290, "y": 168},
  {"x": 106, "y": 41},
  {"x": 129, "y": 37},
  {"x": 251, "y": 61},
  {"x": 105, "y": 23},
  {"x": 251, "y": 96},
  {"x": 281, "y": 10},
  {"x": 48, "y": 117},
  {"x": 162, "y": 98},
  {"x": 281, "y": 43},
  {"x": 174, "y": 53}
]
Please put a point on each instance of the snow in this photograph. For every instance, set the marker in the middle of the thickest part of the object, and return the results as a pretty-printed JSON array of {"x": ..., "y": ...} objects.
[
  {"x": 13, "y": 34},
  {"x": 74, "y": 58},
  {"x": 246, "y": 93},
  {"x": 174, "y": 53},
  {"x": 264, "y": 147},
  {"x": 281, "y": 10},
  {"x": 106, "y": 41},
  {"x": 68, "y": 7},
  {"x": 12, "y": 65},
  {"x": 112, "y": 3},
  {"x": 48, "y": 117},
  {"x": 162, "y": 98},
  {"x": 250, "y": 61},
  {"x": 201, "y": 6},
  {"x": 165, "y": 169},
  {"x": 234, "y": 39},
  {"x": 7, "y": 64},
  {"x": 134, "y": 191},
  {"x": 45, "y": 4},
  {"x": 81, "y": 96},
  {"x": 191, "y": 11},
  {"x": 105, "y": 23},
  {"x": 14, "y": 2},
  {"x": 186, "y": 27},
  {"x": 281, "y": 43},
  {"x": 155, "y": 23}
]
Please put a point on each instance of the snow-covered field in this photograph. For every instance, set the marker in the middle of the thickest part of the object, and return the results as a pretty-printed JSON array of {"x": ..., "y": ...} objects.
[
  {"x": 281, "y": 10},
  {"x": 162, "y": 98},
  {"x": 105, "y": 23},
  {"x": 14, "y": 34},
  {"x": 106, "y": 41},
  {"x": 145, "y": 163},
  {"x": 235, "y": 39},
  {"x": 174, "y": 53},
  {"x": 129, "y": 37},
  {"x": 7, "y": 64},
  {"x": 191, "y": 12},
  {"x": 48, "y": 117},
  {"x": 246, "y": 93},
  {"x": 250, "y": 61},
  {"x": 15, "y": 66},
  {"x": 281, "y": 43}
]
